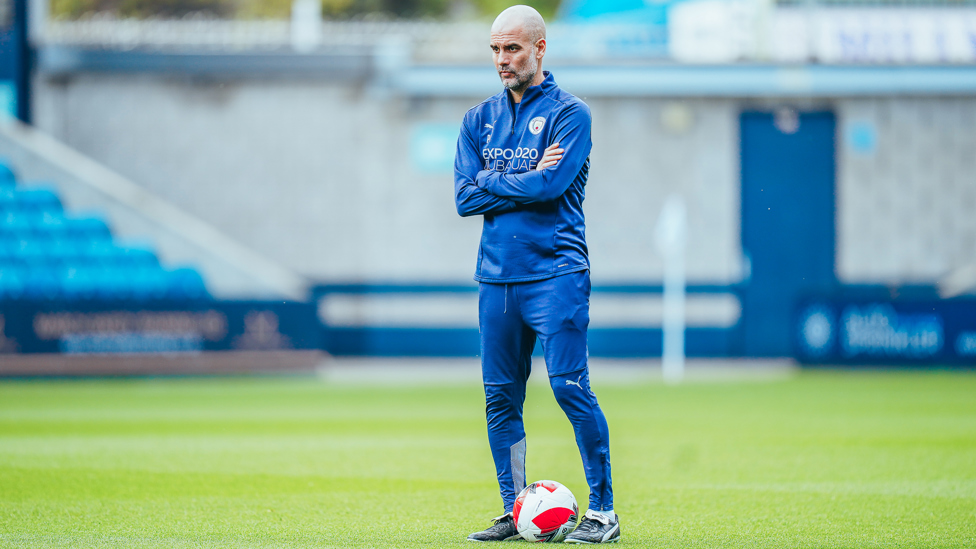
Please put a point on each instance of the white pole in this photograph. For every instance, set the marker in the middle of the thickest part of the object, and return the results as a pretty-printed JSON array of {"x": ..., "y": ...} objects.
[
  {"x": 37, "y": 16},
  {"x": 306, "y": 25},
  {"x": 670, "y": 236}
]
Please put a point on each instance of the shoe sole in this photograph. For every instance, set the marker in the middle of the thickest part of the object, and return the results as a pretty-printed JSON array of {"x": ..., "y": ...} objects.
[
  {"x": 491, "y": 540},
  {"x": 613, "y": 539}
]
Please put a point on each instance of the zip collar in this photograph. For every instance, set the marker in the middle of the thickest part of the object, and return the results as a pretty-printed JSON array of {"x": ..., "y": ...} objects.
[{"x": 548, "y": 84}]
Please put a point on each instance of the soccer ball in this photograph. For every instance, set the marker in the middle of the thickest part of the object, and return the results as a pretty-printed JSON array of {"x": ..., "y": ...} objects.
[{"x": 545, "y": 511}]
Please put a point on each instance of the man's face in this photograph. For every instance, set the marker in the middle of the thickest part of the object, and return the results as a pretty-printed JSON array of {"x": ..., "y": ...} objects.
[{"x": 516, "y": 57}]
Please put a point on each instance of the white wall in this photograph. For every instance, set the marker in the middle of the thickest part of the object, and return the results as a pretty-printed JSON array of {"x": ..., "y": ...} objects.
[{"x": 906, "y": 206}]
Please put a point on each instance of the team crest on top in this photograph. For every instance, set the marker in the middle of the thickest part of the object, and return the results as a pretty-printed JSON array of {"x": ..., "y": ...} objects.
[{"x": 536, "y": 124}]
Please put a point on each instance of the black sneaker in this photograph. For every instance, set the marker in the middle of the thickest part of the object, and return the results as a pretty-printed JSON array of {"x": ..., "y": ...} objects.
[
  {"x": 502, "y": 530},
  {"x": 595, "y": 528}
]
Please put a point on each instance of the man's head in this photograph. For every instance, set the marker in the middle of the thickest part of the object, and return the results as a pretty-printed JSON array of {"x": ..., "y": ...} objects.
[{"x": 518, "y": 42}]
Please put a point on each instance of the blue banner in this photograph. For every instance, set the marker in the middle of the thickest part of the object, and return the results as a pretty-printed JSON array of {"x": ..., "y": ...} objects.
[
  {"x": 865, "y": 331},
  {"x": 156, "y": 327}
]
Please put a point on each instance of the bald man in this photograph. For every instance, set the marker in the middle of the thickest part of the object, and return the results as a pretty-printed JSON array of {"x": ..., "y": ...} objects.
[{"x": 522, "y": 163}]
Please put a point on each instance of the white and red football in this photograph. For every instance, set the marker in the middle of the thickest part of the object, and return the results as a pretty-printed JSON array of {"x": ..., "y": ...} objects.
[{"x": 545, "y": 511}]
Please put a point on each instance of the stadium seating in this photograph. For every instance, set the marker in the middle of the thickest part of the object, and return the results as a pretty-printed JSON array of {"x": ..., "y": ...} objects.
[{"x": 46, "y": 253}]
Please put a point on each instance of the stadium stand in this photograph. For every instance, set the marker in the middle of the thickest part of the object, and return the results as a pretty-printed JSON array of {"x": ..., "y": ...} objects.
[{"x": 47, "y": 253}]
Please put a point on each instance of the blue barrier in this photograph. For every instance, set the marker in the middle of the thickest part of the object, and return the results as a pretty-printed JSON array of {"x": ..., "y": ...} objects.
[
  {"x": 874, "y": 325},
  {"x": 851, "y": 325},
  {"x": 616, "y": 342},
  {"x": 156, "y": 326}
]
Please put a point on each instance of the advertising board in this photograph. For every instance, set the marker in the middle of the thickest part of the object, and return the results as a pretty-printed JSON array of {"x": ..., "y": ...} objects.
[
  {"x": 106, "y": 327},
  {"x": 864, "y": 331}
]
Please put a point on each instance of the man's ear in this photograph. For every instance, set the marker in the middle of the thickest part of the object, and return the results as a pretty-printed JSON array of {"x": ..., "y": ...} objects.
[{"x": 540, "y": 47}]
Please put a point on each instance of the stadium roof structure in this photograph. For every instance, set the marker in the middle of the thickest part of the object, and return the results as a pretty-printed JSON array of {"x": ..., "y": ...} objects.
[
  {"x": 710, "y": 81},
  {"x": 663, "y": 79}
]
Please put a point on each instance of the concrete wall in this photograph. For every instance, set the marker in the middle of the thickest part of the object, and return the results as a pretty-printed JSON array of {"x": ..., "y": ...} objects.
[
  {"x": 320, "y": 177},
  {"x": 906, "y": 202}
]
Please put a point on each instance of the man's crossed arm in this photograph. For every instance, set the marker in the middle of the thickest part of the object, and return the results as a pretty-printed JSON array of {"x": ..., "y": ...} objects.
[{"x": 489, "y": 192}]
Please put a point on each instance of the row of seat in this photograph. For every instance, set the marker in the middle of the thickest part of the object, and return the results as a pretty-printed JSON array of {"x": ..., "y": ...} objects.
[
  {"x": 54, "y": 224},
  {"x": 73, "y": 252},
  {"x": 48, "y": 254},
  {"x": 35, "y": 199},
  {"x": 71, "y": 283},
  {"x": 7, "y": 178}
]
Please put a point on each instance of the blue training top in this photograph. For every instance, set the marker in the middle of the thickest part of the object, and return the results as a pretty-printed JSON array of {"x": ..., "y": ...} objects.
[{"x": 533, "y": 220}]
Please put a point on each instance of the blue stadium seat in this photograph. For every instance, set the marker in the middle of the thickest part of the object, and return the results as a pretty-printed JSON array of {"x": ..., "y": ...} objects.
[
  {"x": 10, "y": 254},
  {"x": 149, "y": 283},
  {"x": 106, "y": 254},
  {"x": 45, "y": 247},
  {"x": 78, "y": 283},
  {"x": 7, "y": 179},
  {"x": 11, "y": 282},
  {"x": 8, "y": 200},
  {"x": 36, "y": 201},
  {"x": 14, "y": 222},
  {"x": 68, "y": 251},
  {"x": 186, "y": 283},
  {"x": 113, "y": 284},
  {"x": 42, "y": 283},
  {"x": 46, "y": 255},
  {"x": 31, "y": 251},
  {"x": 137, "y": 256},
  {"x": 48, "y": 222},
  {"x": 8, "y": 241},
  {"x": 93, "y": 228},
  {"x": 99, "y": 253}
]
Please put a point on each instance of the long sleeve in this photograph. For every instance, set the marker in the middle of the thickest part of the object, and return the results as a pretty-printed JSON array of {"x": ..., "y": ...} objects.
[
  {"x": 572, "y": 132},
  {"x": 468, "y": 197}
]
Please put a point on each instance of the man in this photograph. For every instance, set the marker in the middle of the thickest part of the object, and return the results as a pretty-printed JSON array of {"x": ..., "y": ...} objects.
[{"x": 522, "y": 163}]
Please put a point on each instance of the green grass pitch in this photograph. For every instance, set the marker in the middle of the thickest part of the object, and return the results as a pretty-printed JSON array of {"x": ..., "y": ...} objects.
[{"x": 823, "y": 459}]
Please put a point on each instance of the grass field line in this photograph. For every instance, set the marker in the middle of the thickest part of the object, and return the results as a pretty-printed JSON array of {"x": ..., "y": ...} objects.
[
  {"x": 199, "y": 415},
  {"x": 465, "y": 371},
  {"x": 956, "y": 489}
]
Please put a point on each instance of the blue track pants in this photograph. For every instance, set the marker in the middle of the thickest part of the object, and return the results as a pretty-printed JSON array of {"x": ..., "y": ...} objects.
[{"x": 511, "y": 317}]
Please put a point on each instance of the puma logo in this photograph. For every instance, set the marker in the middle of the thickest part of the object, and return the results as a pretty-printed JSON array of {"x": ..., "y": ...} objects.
[{"x": 576, "y": 383}]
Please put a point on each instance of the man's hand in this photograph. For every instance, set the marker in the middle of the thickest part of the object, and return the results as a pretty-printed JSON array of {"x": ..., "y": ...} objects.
[{"x": 550, "y": 156}]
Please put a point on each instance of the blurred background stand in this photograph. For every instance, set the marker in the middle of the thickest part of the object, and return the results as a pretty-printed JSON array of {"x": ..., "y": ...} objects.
[{"x": 823, "y": 151}]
